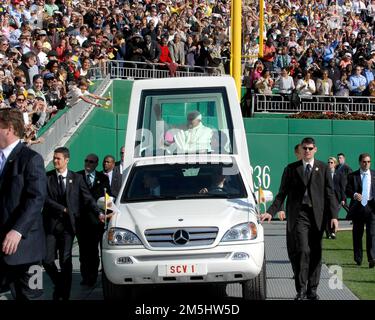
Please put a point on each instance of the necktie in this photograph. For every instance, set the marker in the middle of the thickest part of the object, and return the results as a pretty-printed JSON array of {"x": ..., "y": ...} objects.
[
  {"x": 306, "y": 197},
  {"x": 89, "y": 180},
  {"x": 307, "y": 172},
  {"x": 2, "y": 161},
  {"x": 61, "y": 185},
  {"x": 365, "y": 189}
]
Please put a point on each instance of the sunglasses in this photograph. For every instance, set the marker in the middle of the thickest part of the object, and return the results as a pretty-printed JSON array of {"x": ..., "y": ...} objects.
[
  {"x": 20, "y": 99},
  {"x": 90, "y": 161},
  {"x": 308, "y": 148}
]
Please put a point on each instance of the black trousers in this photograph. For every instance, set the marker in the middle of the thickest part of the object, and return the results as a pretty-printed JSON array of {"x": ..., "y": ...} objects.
[
  {"x": 60, "y": 242},
  {"x": 305, "y": 251},
  {"x": 18, "y": 279},
  {"x": 89, "y": 237},
  {"x": 362, "y": 219}
]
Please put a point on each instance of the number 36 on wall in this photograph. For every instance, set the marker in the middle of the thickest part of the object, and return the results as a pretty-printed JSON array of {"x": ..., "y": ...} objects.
[{"x": 261, "y": 176}]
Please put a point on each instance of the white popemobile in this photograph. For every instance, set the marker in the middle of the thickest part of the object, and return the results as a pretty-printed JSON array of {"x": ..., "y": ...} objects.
[{"x": 187, "y": 211}]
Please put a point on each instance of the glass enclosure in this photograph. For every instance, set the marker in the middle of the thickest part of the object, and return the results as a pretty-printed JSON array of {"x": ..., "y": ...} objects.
[{"x": 184, "y": 121}]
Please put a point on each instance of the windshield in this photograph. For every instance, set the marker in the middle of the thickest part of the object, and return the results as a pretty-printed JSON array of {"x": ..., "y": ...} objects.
[
  {"x": 180, "y": 121},
  {"x": 183, "y": 181}
]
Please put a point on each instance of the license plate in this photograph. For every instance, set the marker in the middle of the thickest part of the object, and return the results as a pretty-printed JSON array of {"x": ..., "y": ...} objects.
[{"x": 175, "y": 270}]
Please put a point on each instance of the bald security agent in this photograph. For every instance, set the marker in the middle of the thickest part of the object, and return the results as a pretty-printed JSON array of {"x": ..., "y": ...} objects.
[{"x": 91, "y": 228}]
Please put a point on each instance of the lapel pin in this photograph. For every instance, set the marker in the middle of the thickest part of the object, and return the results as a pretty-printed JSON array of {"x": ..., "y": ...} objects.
[
  {"x": 70, "y": 181},
  {"x": 316, "y": 169}
]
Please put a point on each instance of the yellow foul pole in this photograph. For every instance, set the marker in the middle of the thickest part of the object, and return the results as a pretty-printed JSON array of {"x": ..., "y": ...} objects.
[
  {"x": 261, "y": 27},
  {"x": 236, "y": 44}
]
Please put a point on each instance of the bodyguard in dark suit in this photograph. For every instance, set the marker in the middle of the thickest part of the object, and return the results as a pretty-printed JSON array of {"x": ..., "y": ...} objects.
[
  {"x": 67, "y": 200},
  {"x": 22, "y": 194},
  {"x": 307, "y": 185},
  {"x": 361, "y": 190},
  {"x": 113, "y": 173},
  {"x": 339, "y": 192},
  {"x": 91, "y": 229},
  {"x": 342, "y": 172}
]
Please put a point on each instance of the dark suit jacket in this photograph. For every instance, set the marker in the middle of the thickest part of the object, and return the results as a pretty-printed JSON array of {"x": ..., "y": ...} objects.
[
  {"x": 22, "y": 195},
  {"x": 339, "y": 186},
  {"x": 353, "y": 186},
  {"x": 78, "y": 198},
  {"x": 116, "y": 181},
  {"x": 101, "y": 182},
  {"x": 293, "y": 188},
  {"x": 342, "y": 173},
  {"x": 152, "y": 53}
]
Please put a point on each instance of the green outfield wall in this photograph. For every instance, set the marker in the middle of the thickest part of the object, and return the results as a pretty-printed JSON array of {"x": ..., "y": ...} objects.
[{"x": 271, "y": 138}]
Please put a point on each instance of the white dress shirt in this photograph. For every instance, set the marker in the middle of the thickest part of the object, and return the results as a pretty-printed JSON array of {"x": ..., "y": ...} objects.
[
  {"x": 8, "y": 150},
  {"x": 109, "y": 175},
  {"x": 64, "y": 174},
  {"x": 305, "y": 164},
  {"x": 368, "y": 172}
]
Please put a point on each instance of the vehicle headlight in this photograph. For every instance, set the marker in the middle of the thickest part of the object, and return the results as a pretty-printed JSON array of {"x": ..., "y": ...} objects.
[
  {"x": 240, "y": 232},
  {"x": 119, "y": 237}
]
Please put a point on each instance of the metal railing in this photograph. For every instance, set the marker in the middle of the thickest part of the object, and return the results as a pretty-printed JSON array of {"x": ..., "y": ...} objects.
[
  {"x": 292, "y": 104},
  {"x": 117, "y": 69}
]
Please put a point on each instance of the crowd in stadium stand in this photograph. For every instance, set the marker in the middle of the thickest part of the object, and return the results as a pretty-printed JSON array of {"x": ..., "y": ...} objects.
[
  {"x": 312, "y": 47},
  {"x": 48, "y": 47}
]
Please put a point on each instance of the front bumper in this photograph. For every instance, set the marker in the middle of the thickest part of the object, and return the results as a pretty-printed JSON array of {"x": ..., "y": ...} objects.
[{"x": 148, "y": 267}]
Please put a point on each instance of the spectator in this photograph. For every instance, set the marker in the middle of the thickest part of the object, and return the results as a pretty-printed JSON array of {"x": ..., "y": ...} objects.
[
  {"x": 79, "y": 92},
  {"x": 342, "y": 86},
  {"x": 306, "y": 86},
  {"x": 285, "y": 82},
  {"x": 29, "y": 67},
  {"x": 151, "y": 50},
  {"x": 265, "y": 83},
  {"x": 324, "y": 86},
  {"x": 177, "y": 50},
  {"x": 282, "y": 59},
  {"x": 357, "y": 82},
  {"x": 269, "y": 53}
]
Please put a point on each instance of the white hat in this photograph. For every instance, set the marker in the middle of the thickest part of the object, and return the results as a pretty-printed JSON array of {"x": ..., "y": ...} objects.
[
  {"x": 346, "y": 44},
  {"x": 347, "y": 55}
]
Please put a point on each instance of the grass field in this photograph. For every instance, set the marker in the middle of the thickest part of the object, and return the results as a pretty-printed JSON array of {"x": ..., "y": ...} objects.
[{"x": 360, "y": 280}]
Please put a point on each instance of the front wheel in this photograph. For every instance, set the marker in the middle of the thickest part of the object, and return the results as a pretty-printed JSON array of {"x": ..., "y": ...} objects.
[
  {"x": 256, "y": 289},
  {"x": 113, "y": 291}
]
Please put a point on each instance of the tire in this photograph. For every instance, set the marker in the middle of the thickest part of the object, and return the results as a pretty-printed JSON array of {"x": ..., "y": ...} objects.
[
  {"x": 113, "y": 291},
  {"x": 256, "y": 289}
]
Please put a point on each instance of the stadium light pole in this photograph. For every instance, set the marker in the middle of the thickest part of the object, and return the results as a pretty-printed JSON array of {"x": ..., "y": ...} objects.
[
  {"x": 261, "y": 27},
  {"x": 236, "y": 44}
]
